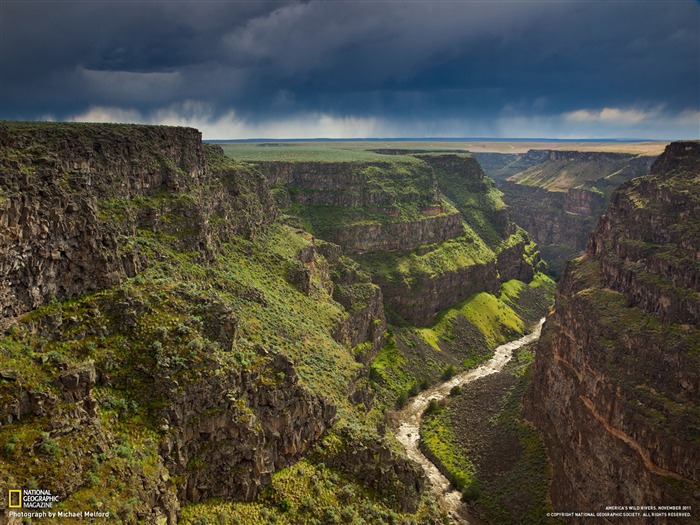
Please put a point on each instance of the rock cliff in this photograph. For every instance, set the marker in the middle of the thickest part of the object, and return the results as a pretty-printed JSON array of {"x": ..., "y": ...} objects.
[
  {"x": 67, "y": 205},
  {"x": 430, "y": 228},
  {"x": 558, "y": 196},
  {"x": 615, "y": 389}
]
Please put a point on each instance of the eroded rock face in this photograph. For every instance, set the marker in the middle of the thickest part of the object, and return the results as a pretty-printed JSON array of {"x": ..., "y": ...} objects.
[
  {"x": 73, "y": 410},
  {"x": 361, "y": 298},
  {"x": 396, "y": 215},
  {"x": 420, "y": 302},
  {"x": 648, "y": 243},
  {"x": 560, "y": 222},
  {"x": 558, "y": 196},
  {"x": 399, "y": 235},
  {"x": 359, "y": 205},
  {"x": 65, "y": 210},
  {"x": 616, "y": 384},
  {"x": 228, "y": 432},
  {"x": 375, "y": 463}
]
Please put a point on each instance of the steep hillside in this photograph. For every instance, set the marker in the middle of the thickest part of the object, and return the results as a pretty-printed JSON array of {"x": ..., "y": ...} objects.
[
  {"x": 167, "y": 340},
  {"x": 430, "y": 229},
  {"x": 458, "y": 277},
  {"x": 616, "y": 384},
  {"x": 558, "y": 196}
]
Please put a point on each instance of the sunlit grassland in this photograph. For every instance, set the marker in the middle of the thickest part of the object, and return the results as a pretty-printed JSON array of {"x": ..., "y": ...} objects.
[{"x": 339, "y": 151}]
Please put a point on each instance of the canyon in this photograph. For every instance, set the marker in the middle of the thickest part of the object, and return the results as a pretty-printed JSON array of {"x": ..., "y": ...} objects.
[
  {"x": 196, "y": 332},
  {"x": 558, "y": 195},
  {"x": 182, "y": 328}
]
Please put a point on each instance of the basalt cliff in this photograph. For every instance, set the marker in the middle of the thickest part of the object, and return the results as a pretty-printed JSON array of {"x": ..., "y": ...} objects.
[
  {"x": 431, "y": 228},
  {"x": 615, "y": 387},
  {"x": 558, "y": 196}
]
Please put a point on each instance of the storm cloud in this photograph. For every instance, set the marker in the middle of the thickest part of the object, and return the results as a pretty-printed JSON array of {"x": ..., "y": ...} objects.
[{"x": 358, "y": 69}]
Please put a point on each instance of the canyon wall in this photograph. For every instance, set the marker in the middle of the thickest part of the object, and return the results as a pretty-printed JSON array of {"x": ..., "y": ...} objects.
[
  {"x": 430, "y": 228},
  {"x": 558, "y": 196},
  {"x": 67, "y": 205},
  {"x": 616, "y": 384}
]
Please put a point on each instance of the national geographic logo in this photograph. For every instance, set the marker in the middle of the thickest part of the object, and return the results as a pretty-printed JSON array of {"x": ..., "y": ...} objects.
[
  {"x": 15, "y": 499},
  {"x": 31, "y": 499}
]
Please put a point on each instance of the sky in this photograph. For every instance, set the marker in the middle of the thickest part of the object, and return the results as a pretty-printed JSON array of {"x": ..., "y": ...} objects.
[{"x": 359, "y": 69}]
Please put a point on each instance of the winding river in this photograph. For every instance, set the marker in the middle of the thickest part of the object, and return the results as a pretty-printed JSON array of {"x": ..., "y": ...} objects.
[{"x": 409, "y": 419}]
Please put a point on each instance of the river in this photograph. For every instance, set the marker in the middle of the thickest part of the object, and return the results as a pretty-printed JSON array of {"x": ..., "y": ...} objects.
[{"x": 408, "y": 422}]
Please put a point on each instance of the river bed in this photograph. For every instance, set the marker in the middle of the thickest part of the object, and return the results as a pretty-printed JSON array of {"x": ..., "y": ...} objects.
[{"x": 409, "y": 419}]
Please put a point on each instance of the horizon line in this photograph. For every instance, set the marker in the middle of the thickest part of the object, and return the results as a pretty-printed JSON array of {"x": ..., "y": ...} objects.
[{"x": 440, "y": 139}]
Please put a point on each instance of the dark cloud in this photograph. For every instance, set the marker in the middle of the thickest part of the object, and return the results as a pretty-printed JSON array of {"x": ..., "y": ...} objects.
[{"x": 402, "y": 62}]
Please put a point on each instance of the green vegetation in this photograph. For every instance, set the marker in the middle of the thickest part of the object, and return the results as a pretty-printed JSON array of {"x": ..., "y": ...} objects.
[
  {"x": 505, "y": 491},
  {"x": 429, "y": 260},
  {"x": 164, "y": 321},
  {"x": 439, "y": 441},
  {"x": 460, "y": 337},
  {"x": 306, "y": 152},
  {"x": 388, "y": 367},
  {"x": 182, "y": 320},
  {"x": 599, "y": 172},
  {"x": 477, "y": 198},
  {"x": 309, "y": 494},
  {"x": 497, "y": 319},
  {"x": 224, "y": 293},
  {"x": 327, "y": 221}
]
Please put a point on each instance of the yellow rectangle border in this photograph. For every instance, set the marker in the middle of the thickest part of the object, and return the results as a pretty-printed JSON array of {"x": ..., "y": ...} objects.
[{"x": 9, "y": 499}]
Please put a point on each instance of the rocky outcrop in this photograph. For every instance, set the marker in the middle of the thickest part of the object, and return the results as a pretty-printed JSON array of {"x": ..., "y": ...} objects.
[
  {"x": 67, "y": 203},
  {"x": 616, "y": 388},
  {"x": 462, "y": 180},
  {"x": 71, "y": 406},
  {"x": 396, "y": 236},
  {"x": 515, "y": 262},
  {"x": 419, "y": 302},
  {"x": 648, "y": 243},
  {"x": 363, "y": 301},
  {"x": 464, "y": 167},
  {"x": 374, "y": 461},
  {"x": 353, "y": 184},
  {"x": 238, "y": 427}
]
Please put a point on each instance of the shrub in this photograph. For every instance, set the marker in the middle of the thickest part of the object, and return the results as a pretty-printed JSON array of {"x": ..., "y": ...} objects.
[
  {"x": 448, "y": 373},
  {"x": 471, "y": 493},
  {"x": 8, "y": 449},
  {"x": 92, "y": 479},
  {"x": 401, "y": 400},
  {"x": 49, "y": 447},
  {"x": 433, "y": 407}
]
